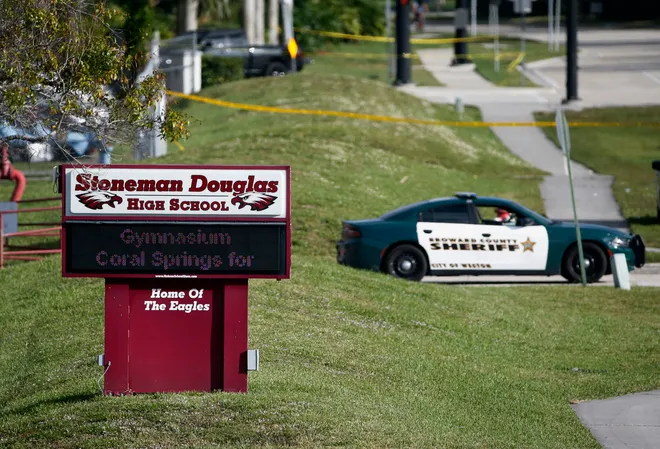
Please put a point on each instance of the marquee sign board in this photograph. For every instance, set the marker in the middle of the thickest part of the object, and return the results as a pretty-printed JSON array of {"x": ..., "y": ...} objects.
[
  {"x": 174, "y": 192},
  {"x": 169, "y": 221},
  {"x": 175, "y": 249}
]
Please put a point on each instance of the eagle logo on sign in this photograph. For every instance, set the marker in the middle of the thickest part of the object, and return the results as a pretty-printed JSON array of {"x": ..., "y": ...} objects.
[
  {"x": 96, "y": 200},
  {"x": 256, "y": 200}
]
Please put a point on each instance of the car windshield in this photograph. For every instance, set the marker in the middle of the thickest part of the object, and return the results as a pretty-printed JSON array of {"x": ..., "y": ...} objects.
[{"x": 535, "y": 215}]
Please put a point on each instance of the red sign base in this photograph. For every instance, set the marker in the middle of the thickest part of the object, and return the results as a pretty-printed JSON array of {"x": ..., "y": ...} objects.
[{"x": 174, "y": 335}]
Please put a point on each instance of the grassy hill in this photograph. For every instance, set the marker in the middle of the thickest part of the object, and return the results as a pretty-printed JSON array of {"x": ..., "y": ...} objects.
[{"x": 348, "y": 358}]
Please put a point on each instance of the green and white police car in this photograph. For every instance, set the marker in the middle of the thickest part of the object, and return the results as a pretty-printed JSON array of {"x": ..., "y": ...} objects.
[{"x": 462, "y": 235}]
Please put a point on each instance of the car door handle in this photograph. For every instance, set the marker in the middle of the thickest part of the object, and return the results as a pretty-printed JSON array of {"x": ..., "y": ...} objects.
[
  {"x": 427, "y": 231},
  {"x": 486, "y": 235}
]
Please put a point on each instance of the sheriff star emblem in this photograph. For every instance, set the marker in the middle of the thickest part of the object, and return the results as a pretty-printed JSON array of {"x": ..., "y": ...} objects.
[{"x": 528, "y": 245}]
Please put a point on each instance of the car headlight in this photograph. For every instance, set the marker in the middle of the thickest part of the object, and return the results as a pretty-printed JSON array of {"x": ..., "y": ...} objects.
[{"x": 619, "y": 242}]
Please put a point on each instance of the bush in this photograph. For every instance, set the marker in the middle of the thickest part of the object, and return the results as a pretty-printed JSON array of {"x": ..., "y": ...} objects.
[
  {"x": 366, "y": 17},
  {"x": 219, "y": 70}
]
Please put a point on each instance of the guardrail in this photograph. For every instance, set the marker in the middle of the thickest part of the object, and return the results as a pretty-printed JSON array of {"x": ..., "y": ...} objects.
[{"x": 24, "y": 252}]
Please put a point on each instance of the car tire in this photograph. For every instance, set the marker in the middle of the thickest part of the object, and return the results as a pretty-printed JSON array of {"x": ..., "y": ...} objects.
[
  {"x": 595, "y": 263},
  {"x": 276, "y": 69},
  {"x": 407, "y": 262}
]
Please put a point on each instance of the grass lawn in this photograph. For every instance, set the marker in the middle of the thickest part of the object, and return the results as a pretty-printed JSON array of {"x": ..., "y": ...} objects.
[
  {"x": 348, "y": 358},
  {"x": 365, "y": 60},
  {"x": 627, "y": 154},
  {"x": 369, "y": 60}
]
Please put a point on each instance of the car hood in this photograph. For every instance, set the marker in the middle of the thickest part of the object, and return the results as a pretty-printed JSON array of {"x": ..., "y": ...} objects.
[{"x": 591, "y": 227}]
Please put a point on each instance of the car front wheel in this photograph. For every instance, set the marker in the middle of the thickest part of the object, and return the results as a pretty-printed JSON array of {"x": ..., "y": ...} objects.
[
  {"x": 407, "y": 262},
  {"x": 276, "y": 69},
  {"x": 595, "y": 263}
]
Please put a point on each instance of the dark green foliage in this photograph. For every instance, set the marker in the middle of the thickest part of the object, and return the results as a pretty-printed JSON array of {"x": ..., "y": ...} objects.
[
  {"x": 366, "y": 17},
  {"x": 218, "y": 70}
]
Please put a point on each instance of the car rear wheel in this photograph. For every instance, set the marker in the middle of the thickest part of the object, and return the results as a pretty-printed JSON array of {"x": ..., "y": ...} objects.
[
  {"x": 595, "y": 263},
  {"x": 276, "y": 69},
  {"x": 407, "y": 262}
]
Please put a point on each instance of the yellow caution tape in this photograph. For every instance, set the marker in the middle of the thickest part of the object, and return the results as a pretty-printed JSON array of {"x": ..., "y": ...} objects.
[
  {"x": 412, "y": 56},
  {"x": 515, "y": 63},
  {"x": 359, "y": 37},
  {"x": 383, "y": 118},
  {"x": 179, "y": 146}
]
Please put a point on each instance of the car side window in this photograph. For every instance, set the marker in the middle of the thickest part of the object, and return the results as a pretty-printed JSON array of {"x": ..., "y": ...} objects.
[
  {"x": 500, "y": 216},
  {"x": 457, "y": 213}
]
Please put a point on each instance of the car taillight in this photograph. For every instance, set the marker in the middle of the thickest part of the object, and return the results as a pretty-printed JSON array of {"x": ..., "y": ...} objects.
[{"x": 351, "y": 232}]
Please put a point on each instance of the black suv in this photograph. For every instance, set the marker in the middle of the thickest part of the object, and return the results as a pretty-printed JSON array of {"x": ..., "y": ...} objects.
[{"x": 260, "y": 60}]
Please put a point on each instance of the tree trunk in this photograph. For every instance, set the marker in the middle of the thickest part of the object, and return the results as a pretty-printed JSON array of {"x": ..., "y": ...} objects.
[
  {"x": 187, "y": 15},
  {"x": 259, "y": 12},
  {"x": 249, "y": 20},
  {"x": 273, "y": 21}
]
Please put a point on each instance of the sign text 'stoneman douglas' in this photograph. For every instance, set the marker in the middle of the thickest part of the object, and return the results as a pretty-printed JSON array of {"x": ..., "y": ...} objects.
[{"x": 200, "y": 192}]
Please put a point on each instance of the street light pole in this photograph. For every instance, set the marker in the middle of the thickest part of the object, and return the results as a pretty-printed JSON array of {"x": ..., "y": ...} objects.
[
  {"x": 571, "y": 51},
  {"x": 403, "y": 66},
  {"x": 460, "y": 21}
]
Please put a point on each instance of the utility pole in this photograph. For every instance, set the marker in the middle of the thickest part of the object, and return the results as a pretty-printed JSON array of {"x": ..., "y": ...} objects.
[
  {"x": 187, "y": 15},
  {"x": 273, "y": 21},
  {"x": 249, "y": 17},
  {"x": 403, "y": 66},
  {"x": 460, "y": 22},
  {"x": 571, "y": 51},
  {"x": 287, "y": 27},
  {"x": 259, "y": 18}
]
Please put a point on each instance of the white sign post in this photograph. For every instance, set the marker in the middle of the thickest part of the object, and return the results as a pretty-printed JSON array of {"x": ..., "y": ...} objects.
[
  {"x": 522, "y": 7},
  {"x": 494, "y": 22},
  {"x": 287, "y": 18},
  {"x": 557, "y": 23},
  {"x": 473, "y": 13},
  {"x": 563, "y": 135},
  {"x": 551, "y": 26},
  {"x": 388, "y": 32}
]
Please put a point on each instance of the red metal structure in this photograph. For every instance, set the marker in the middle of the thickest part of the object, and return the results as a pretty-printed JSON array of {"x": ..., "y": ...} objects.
[
  {"x": 29, "y": 252},
  {"x": 24, "y": 252},
  {"x": 7, "y": 171}
]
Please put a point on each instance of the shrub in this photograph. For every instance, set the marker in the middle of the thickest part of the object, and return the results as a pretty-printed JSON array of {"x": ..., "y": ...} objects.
[
  {"x": 366, "y": 17},
  {"x": 219, "y": 70}
]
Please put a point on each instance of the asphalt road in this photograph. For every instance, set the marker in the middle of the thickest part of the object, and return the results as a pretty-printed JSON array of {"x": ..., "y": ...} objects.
[{"x": 647, "y": 276}]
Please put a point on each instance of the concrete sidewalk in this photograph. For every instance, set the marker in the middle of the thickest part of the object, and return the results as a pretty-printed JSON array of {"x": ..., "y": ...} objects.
[
  {"x": 594, "y": 198},
  {"x": 630, "y": 422}
]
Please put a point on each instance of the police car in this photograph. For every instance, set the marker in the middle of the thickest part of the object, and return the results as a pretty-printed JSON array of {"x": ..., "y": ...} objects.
[{"x": 470, "y": 234}]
